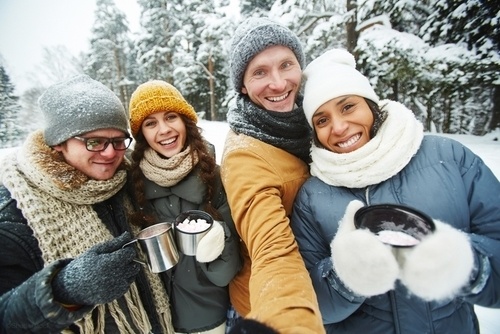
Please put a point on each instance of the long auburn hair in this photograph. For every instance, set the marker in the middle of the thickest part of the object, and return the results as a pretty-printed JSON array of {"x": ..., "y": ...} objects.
[{"x": 206, "y": 164}]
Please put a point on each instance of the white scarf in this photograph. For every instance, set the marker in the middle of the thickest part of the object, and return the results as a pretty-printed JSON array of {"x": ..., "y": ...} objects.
[{"x": 385, "y": 155}]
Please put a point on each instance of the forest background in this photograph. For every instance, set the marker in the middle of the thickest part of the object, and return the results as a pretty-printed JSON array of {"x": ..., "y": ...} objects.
[{"x": 441, "y": 58}]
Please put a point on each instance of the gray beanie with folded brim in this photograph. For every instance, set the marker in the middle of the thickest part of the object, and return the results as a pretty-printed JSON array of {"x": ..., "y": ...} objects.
[
  {"x": 80, "y": 105},
  {"x": 255, "y": 35}
]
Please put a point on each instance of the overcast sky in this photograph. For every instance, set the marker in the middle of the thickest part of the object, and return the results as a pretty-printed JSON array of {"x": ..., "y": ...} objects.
[{"x": 27, "y": 26}]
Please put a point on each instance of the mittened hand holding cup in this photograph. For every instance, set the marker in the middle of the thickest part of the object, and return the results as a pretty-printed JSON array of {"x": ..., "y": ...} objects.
[
  {"x": 105, "y": 272},
  {"x": 376, "y": 245},
  {"x": 364, "y": 264},
  {"x": 195, "y": 232},
  {"x": 210, "y": 247},
  {"x": 198, "y": 234},
  {"x": 440, "y": 265}
]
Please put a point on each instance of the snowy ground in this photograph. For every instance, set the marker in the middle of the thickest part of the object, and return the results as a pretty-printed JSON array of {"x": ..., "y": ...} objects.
[{"x": 486, "y": 147}]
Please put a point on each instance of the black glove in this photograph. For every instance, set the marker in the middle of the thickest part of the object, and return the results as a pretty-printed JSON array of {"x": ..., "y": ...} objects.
[
  {"x": 250, "y": 326},
  {"x": 100, "y": 275}
]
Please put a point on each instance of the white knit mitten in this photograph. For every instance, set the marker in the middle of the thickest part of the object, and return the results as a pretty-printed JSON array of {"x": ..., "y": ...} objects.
[
  {"x": 363, "y": 263},
  {"x": 440, "y": 265},
  {"x": 212, "y": 244}
]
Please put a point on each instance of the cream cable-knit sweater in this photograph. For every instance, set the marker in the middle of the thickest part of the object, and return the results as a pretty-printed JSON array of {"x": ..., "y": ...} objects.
[{"x": 56, "y": 200}]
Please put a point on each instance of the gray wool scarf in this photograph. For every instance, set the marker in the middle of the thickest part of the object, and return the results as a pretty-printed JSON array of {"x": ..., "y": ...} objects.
[{"x": 288, "y": 131}]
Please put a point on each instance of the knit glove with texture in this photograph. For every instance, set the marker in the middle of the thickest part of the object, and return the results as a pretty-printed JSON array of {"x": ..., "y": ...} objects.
[
  {"x": 100, "y": 275},
  {"x": 363, "y": 263},
  {"x": 212, "y": 244}
]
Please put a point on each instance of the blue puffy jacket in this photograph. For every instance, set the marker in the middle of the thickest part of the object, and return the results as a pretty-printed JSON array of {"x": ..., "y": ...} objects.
[{"x": 472, "y": 205}]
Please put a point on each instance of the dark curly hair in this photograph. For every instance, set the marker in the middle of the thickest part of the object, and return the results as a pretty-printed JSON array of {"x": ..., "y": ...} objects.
[{"x": 206, "y": 165}]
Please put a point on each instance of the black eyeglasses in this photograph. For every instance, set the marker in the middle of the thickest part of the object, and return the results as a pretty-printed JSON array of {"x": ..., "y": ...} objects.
[{"x": 98, "y": 144}]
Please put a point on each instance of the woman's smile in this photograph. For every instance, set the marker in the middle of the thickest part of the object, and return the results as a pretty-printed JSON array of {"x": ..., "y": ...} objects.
[{"x": 350, "y": 142}]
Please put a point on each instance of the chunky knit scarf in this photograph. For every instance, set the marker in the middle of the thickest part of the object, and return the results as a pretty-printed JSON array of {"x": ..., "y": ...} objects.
[
  {"x": 385, "y": 155},
  {"x": 167, "y": 172},
  {"x": 286, "y": 130},
  {"x": 55, "y": 198}
]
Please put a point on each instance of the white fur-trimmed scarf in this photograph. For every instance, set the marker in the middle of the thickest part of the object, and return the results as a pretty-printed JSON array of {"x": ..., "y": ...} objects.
[
  {"x": 55, "y": 198},
  {"x": 385, "y": 155}
]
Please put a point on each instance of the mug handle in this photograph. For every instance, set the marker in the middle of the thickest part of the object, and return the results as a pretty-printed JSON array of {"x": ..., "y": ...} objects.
[{"x": 135, "y": 260}]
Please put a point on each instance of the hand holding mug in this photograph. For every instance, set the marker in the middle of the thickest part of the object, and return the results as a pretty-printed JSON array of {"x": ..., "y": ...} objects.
[
  {"x": 364, "y": 264},
  {"x": 100, "y": 275}
]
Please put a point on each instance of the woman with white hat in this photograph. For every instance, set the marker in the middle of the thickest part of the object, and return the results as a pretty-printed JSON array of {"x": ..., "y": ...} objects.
[{"x": 367, "y": 152}]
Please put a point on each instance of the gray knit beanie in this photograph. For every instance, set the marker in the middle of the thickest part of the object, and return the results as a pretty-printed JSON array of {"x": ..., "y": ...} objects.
[
  {"x": 80, "y": 105},
  {"x": 255, "y": 35}
]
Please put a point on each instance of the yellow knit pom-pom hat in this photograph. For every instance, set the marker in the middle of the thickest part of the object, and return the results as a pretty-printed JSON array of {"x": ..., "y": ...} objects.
[{"x": 157, "y": 96}]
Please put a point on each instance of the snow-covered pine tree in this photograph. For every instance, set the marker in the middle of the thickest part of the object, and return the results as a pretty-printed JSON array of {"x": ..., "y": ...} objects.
[
  {"x": 474, "y": 25},
  {"x": 109, "y": 45},
  {"x": 11, "y": 127},
  {"x": 183, "y": 43},
  {"x": 153, "y": 51}
]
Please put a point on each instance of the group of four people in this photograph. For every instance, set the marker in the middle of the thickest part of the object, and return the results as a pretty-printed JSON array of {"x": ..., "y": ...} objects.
[{"x": 284, "y": 255}]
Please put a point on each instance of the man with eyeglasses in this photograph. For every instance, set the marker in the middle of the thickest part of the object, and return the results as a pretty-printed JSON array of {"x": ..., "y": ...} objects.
[{"x": 63, "y": 222}]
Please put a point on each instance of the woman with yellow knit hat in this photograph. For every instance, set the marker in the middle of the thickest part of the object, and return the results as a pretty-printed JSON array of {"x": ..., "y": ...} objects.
[{"x": 174, "y": 170}]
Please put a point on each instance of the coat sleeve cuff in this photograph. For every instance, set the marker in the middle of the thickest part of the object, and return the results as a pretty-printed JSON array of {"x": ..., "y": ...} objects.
[
  {"x": 336, "y": 283},
  {"x": 45, "y": 302},
  {"x": 480, "y": 275}
]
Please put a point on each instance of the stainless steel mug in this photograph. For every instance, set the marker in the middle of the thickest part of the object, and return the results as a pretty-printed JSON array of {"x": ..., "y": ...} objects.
[
  {"x": 187, "y": 241},
  {"x": 158, "y": 244}
]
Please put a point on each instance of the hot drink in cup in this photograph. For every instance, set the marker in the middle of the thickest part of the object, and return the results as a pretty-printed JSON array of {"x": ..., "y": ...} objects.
[
  {"x": 395, "y": 225},
  {"x": 190, "y": 227}
]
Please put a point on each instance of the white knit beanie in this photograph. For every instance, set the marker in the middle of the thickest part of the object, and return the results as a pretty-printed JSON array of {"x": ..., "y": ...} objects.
[{"x": 331, "y": 75}]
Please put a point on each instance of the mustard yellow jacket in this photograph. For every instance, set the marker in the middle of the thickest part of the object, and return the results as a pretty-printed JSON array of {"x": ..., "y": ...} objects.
[{"x": 274, "y": 287}]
